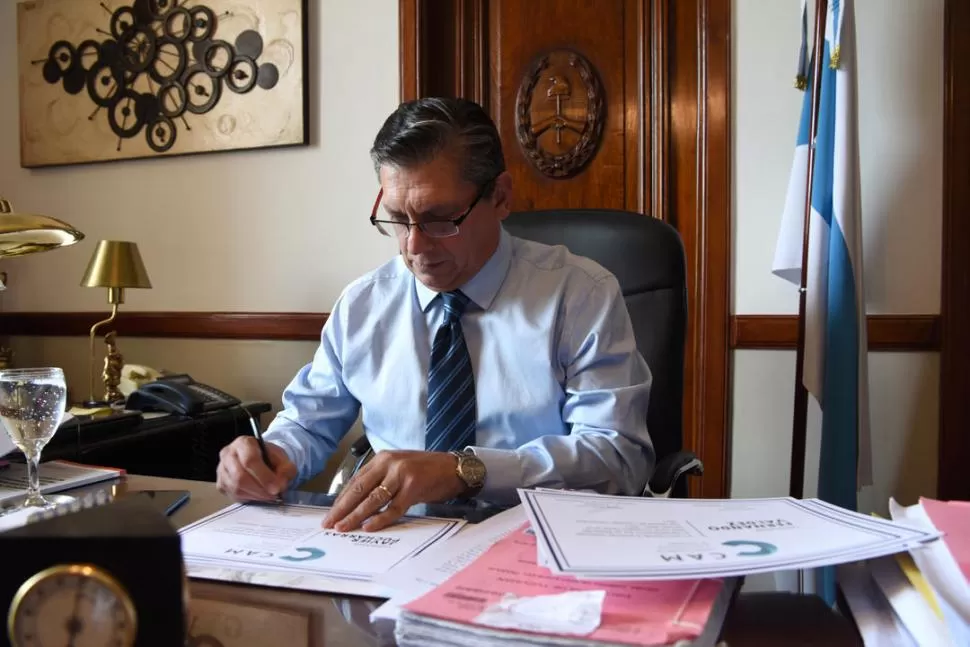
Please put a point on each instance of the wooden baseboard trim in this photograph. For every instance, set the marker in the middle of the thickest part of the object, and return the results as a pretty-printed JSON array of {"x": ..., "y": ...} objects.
[
  {"x": 281, "y": 326},
  {"x": 886, "y": 332},
  {"x": 772, "y": 332}
]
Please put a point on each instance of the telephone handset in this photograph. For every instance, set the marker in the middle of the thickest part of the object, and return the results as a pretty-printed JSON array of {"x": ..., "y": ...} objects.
[{"x": 179, "y": 394}]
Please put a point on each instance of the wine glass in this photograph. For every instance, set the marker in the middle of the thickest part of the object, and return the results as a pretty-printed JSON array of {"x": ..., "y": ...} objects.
[{"x": 32, "y": 404}]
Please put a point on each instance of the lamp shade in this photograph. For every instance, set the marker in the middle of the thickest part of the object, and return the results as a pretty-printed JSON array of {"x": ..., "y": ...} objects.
[
  {"x": 27, "y": 233},
  {"x": 116, "y": 264}
]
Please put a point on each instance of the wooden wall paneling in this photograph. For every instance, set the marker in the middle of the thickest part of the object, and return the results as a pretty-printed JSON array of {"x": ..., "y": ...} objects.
[
  {"x": 410, "y": 15},
  {"x": 699, "y": 190},
  {"x": 280, "y": 326},
  {"x": 901, "y": 333},
  {"x": 954, "y": 446},
  {"x": 443, "y": 48},
  {"x": 894, "y": 333},
  {"x": 658, "y": 103},
  {"x": 519, "y": 32},
  {"x": 638, "y": 48}
]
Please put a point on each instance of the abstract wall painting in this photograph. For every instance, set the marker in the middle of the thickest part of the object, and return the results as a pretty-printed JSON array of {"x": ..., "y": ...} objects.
[{"x": 108, "y": 80}]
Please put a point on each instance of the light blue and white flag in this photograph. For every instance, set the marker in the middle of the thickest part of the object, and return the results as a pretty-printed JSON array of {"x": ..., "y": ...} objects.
[{"x": 836, "y": 345}]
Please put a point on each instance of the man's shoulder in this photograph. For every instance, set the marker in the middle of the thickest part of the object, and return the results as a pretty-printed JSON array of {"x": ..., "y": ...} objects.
[
  {"x": 557, "y": 260},
  {"x": 382, "y": 282}
]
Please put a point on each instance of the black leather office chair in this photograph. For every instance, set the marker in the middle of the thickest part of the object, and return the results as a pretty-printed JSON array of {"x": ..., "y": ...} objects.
[{"x": 647, "y": 257}]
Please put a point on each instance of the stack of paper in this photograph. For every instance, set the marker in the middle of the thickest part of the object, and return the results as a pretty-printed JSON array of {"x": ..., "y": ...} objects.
[
  {"x": 504, "y": 598},
  {"x": 286, "y": 546},
  {"x": 632, "y": 538},
  {"x": 415, "y": 577},
  {"x": 923, "y": 597}
]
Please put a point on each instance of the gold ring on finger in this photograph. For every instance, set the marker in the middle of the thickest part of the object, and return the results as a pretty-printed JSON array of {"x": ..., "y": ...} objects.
[{"x": 387, "y": 493}]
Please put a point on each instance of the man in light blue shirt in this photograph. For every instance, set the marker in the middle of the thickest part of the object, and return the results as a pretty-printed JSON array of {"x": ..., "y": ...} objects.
[{"x": 478, "y": 362}]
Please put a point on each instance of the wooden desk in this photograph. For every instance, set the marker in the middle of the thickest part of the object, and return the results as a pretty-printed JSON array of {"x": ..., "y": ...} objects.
[{"x": 337, "y": 621}]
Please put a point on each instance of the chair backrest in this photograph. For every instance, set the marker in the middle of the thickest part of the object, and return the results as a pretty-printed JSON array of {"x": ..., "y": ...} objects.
[{"x": 647, "y": 257}]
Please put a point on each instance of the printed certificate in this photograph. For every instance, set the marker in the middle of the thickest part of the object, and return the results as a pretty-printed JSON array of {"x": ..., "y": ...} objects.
[
  {"x": 289, "y": 538},
  {"x": 598, "y": 536}
]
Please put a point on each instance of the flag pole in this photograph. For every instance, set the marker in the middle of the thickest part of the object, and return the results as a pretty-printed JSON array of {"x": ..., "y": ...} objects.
[{"x": 800, "y": 417}]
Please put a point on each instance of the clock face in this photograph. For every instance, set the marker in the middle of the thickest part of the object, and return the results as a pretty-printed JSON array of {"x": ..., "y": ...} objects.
[{"x": 75, "y": 605}]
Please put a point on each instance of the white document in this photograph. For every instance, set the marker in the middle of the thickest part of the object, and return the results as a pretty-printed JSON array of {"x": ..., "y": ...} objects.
[
  {"x": 289, "y": 539},
  {"x": 417, "y": 576},
  {"x": 633, "y": 538},
  {"x": 873, "y": 616},
  {"x": 941, "y": 572},
  {"x": 908, "y": 603},
  {"x": 55, "y": 476}
]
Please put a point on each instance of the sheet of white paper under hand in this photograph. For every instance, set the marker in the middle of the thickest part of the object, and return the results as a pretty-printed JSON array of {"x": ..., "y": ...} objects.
[{"x": 576, "y": 613}]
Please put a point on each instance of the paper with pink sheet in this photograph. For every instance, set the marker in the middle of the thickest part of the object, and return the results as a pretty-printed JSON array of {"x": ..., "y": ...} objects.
[
  {"x": 504, "y": 591},
  {"x": 952, "y": 518}
]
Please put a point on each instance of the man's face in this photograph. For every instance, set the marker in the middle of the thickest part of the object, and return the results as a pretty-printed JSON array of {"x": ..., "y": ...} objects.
[{"x": 436, "y": 191}]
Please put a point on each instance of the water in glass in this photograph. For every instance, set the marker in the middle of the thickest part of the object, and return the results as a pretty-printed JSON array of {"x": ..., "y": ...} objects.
[{"x": 32, "y": 405}]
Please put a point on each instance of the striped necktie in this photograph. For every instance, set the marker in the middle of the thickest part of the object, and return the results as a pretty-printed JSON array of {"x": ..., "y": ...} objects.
[{"x": 451, "y": 383}]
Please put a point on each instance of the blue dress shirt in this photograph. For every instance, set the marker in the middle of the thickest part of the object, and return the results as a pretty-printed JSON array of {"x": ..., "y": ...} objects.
[{"x": 561, "y": 389}]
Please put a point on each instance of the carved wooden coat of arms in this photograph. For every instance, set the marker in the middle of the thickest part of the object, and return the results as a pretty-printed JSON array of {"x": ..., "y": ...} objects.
[{"x": 559, "y": 113}]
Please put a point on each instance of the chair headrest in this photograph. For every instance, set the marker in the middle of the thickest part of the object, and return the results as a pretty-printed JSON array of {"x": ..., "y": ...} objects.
[{"x": 644, "y": 253}]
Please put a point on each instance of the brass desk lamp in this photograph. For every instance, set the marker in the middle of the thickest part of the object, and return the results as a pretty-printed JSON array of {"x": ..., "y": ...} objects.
[
  {"x": 115, "y": 265},
  {"x": 29, "y": 233}
]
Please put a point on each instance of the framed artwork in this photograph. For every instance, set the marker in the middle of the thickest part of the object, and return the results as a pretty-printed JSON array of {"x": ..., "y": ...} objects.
[{"x": 108, "y": 80}]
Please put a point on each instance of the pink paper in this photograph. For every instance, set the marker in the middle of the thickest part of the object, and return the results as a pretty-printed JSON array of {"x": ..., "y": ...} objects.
[
  {"x": 634, "y": 613},
  {"x": 952, "y": 518}
]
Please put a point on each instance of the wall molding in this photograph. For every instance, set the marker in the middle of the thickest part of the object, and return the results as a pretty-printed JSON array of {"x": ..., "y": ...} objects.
[
  {"x": 886, "y": 332},
  {"x": 279, "y": 326},
  {"x": 915, "y": 333}
]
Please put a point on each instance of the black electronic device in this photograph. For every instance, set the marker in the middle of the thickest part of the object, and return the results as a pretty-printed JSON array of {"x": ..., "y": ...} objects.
[{"x": 179, "y": 394}]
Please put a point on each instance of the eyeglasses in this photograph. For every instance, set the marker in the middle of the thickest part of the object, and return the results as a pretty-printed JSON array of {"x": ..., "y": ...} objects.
[{"x": 430, "y": 228}]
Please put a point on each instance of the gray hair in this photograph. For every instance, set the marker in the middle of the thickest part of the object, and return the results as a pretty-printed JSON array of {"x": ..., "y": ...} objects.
[{"x": 419, "y": 130}]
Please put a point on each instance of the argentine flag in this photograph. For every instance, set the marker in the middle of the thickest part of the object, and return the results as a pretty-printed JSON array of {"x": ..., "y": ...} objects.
[{"x": 835, "y": 315}]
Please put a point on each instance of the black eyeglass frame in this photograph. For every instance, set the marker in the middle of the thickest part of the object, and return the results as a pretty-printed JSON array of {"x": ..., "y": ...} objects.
[{"x": 455, "y": 222}]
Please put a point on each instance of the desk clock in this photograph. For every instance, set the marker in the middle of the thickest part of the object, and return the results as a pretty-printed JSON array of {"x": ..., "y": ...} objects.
[{"x": 111, "y": 575}]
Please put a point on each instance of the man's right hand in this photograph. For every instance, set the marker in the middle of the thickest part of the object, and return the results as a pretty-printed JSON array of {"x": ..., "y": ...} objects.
[{"x": 243, "y": 476}]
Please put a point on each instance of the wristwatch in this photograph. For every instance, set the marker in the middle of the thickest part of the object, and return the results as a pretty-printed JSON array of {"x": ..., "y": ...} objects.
[{"x": 471, "y": 470}]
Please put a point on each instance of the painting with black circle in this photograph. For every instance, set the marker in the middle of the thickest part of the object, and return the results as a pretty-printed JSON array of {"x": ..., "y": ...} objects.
[{"x": 121, "y": 79}]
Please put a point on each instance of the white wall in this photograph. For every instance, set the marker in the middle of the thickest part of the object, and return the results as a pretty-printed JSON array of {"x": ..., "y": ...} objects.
[
  {"x": 270, "y": 230},
  {"x": 900, "y": 50}
]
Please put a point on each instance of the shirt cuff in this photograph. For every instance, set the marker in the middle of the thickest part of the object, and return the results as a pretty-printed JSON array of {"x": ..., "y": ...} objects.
[{"x": 503, "y": 474}]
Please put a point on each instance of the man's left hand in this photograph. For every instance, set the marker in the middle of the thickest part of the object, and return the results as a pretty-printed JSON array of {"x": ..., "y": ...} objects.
[{"x": 383, "y": 490}]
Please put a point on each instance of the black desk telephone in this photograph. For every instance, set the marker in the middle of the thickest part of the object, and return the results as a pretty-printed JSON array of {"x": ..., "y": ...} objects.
[{"x": 179, "y": 394}]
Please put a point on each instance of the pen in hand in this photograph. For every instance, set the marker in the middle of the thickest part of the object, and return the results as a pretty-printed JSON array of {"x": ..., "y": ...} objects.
[{"x": 262, "y": 450}]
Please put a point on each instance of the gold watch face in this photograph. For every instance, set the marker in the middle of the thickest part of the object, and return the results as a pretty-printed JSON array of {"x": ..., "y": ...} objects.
[
  {"x": 471, "y": 470},
  {"x": 72, "y": 604}
]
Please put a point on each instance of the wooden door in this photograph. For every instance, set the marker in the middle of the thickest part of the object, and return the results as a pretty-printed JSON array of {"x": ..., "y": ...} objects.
[{"x": 617, "y": 104}]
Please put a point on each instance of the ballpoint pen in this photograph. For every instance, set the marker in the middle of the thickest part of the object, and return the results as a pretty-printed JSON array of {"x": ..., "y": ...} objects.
[
  {"x": 262, "y": 448},
  {"x": 259, "y": 439}
]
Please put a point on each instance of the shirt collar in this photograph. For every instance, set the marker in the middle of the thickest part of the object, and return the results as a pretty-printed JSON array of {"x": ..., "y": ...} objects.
[{"x": 482, "y": 287}]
